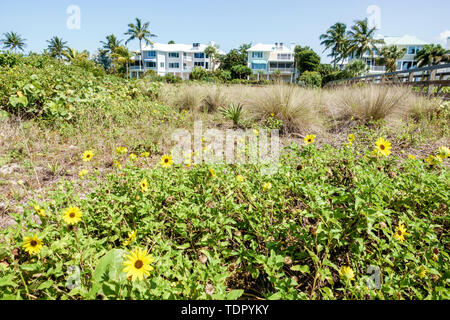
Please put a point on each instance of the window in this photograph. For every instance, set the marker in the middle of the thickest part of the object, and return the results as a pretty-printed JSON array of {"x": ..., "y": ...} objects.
[
  {"x": 206, "y": 65},
  {"x": 199, "y": 55},
  {"x": 411, "y": 50},
  {"x": 161, "y": 64},
  {"x": 184, "y": 54},
  {"x": 151, "y": 54},
  {"x": 150, "y": 64},
  {"x": 257, "y": 54},
  {"x": 407, "y": 65},
  {"x": 284, "y": 56},
  {"x": 258, "y": 66},
  {"x": 199, "y": 64},
  {"x": 174, "y": 65},
  {"x": 399, "y": 65},
  {"x": 174, "y": 55}
]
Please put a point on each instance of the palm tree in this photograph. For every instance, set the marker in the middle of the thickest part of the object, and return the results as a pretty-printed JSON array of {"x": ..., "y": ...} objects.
[
  {"x": 336, "y": 39},
  {"x": 140, "y": 31},
  {"x": 389, "y": 56},
  {"x": 111, "y": 43},
  {"x": 432, "y": 54},
  {"x": 72, "y": 54},
  {"x": 122, "y": 55},
  {"x": 13, "y": 41},
  {"x": 57, "y": 47},
  {"x": 361, "y": 39},
  {"x": 212, "y": 52}
]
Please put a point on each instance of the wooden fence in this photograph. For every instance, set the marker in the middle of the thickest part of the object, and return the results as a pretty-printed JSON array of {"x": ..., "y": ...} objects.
[{"x": 429, "y": 80}]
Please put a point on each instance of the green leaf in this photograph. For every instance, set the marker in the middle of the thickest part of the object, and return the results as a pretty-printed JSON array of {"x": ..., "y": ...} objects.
[
  {"x": 7, "y": 281},
  {"x": 234, "y": 294},
  {"x": 302, "y": 269}
]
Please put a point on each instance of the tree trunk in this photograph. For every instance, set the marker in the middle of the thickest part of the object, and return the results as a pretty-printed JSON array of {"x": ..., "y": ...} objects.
[{"x": 142, "y": 55}]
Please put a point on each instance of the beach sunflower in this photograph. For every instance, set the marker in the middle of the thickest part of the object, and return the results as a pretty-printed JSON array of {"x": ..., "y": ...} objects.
[
  {"x": 166, "y": 161},
  {"x": 40, "y": 211},
  {"x": 351, "y": 137},
  {"x": 309, "y": 138},
  {"x": 433, "y": 160},
  {"x": 412, "y": 157},
  {"x": 240, "y": 178},
  {"x": 32, "y": 244},
  {"x": 212, "y": 172},
  {"x": 133, "y": 157},
  {"x": 88, "y": 155},
  {"x": 347, "y": 273},
  {"x": 144, "y": 185},
  {"x": 383, "y": 147},
  {"x": 267, "y": 186},
  {"x": 422, "y": 272},
  {"x": 400, "y": 233},
  {"x": 443, "y": 152},
  {"x": 131, "y": 237},
  {"x": 256, "y": 132},
  {"x": 72, "y": 215},
  {"x": 83, "y": 173},
  {"x": 137, "y": 264},
  {"x": 117, "y": 164},
  {"x": 121, "y": 150},
  {"x": 145, "y": 154}
]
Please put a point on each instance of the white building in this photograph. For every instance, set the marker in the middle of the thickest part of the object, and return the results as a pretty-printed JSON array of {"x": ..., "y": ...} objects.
[
  {"x": 177, "y": 59},
  {"x": 412, "y": 45},
  {"x": 265, "y": 59}
]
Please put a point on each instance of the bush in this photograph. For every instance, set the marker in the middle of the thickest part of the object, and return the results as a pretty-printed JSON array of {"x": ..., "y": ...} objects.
[
  {"x": 8, "y": 59},
  {"x": 310, "y": 79},
  {"x": 171, "y": 78},
  {"x": 199, "y": 73}
]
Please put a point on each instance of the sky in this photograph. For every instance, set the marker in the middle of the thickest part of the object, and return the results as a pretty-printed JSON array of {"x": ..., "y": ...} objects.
[{"x": 228, "y": 23}]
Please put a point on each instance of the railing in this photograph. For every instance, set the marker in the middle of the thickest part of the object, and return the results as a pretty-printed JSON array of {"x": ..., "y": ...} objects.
[
  {"x": 288, "y": 70},
  {"x": 428, "y": 77}
]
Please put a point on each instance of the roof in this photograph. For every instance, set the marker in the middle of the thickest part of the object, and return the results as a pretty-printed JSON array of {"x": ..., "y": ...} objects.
[
  {"x": 269, "y": 48},
  {"x": 405, "y": 40},
  {"x": 177, "y": 47}
]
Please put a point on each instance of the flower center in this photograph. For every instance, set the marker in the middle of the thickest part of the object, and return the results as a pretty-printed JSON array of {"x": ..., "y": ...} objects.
[
  {"x": 33, "y": 243},
  {"x": 166, "y": 160},
  {"x": 382, "y": 147},
  {"x": 72, "y": 215},
  {"x": 399, "y": 232},
  {"x": 138, "y": 264}
]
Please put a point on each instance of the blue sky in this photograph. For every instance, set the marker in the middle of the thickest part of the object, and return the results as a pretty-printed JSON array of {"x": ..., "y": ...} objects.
[{"x": 229, "y": 23}]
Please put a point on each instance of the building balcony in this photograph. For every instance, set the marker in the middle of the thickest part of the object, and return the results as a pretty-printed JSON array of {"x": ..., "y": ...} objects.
[{"x": 282, "y": 70}]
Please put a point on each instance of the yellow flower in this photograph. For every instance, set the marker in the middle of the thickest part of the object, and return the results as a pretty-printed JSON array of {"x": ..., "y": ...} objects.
[
  {"x": 211, "y": 171},
  {"x": 347, "y": 273},
  {"x": 144, "y": 185},
  {"x": 400, "y": 233},
  {"x": 117, "y": 164},
  {"x": 256, "y": 132},
  {"x": 72, "y": 215},
  {"x": 131, "y": 238},
  {"x": 187, "y": 162},
  {"x": 349, "y": 144},
  {"x": 422, "y": 272},
  {"x": 133, "y": 157},
  {"x": 351, "y": 137},
  {"x": 412, "y": 157},
  {"x": 145, "y": 154},
  {"x": 383, "y": 147},
  {"x": 240, "y": 178},
  {"x": 166, "y": 161},
  {"x": 267, "y": 186},
  {"x": 40, "y": 211},
  {"x": 87, "y": 155},
  {"x": 121, "y": 150},
  {"x": 32, "y": 245},
  {"x": 272, "y": 114},
  {"x": 309, "y": 139},
  {"x": 432, "y": 160},
  {"x": 443, "y": 152},
  {"x": 82, "y": 173},
  {"x": 137, "y": 264}
]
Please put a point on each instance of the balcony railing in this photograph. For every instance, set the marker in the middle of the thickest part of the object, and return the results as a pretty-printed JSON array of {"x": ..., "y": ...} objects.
[{"x": 282, "y": 70}]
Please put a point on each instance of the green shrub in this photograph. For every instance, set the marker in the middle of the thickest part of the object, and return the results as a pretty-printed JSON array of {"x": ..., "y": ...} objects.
[{"x": 310, "y": 79}]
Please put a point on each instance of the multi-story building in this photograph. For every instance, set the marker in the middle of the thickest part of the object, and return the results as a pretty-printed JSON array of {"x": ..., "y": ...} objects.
[
  {"x": 410, "y": 43},
  {"x": 177, "y": 59},
  {"x": 268, "y": 61}
]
